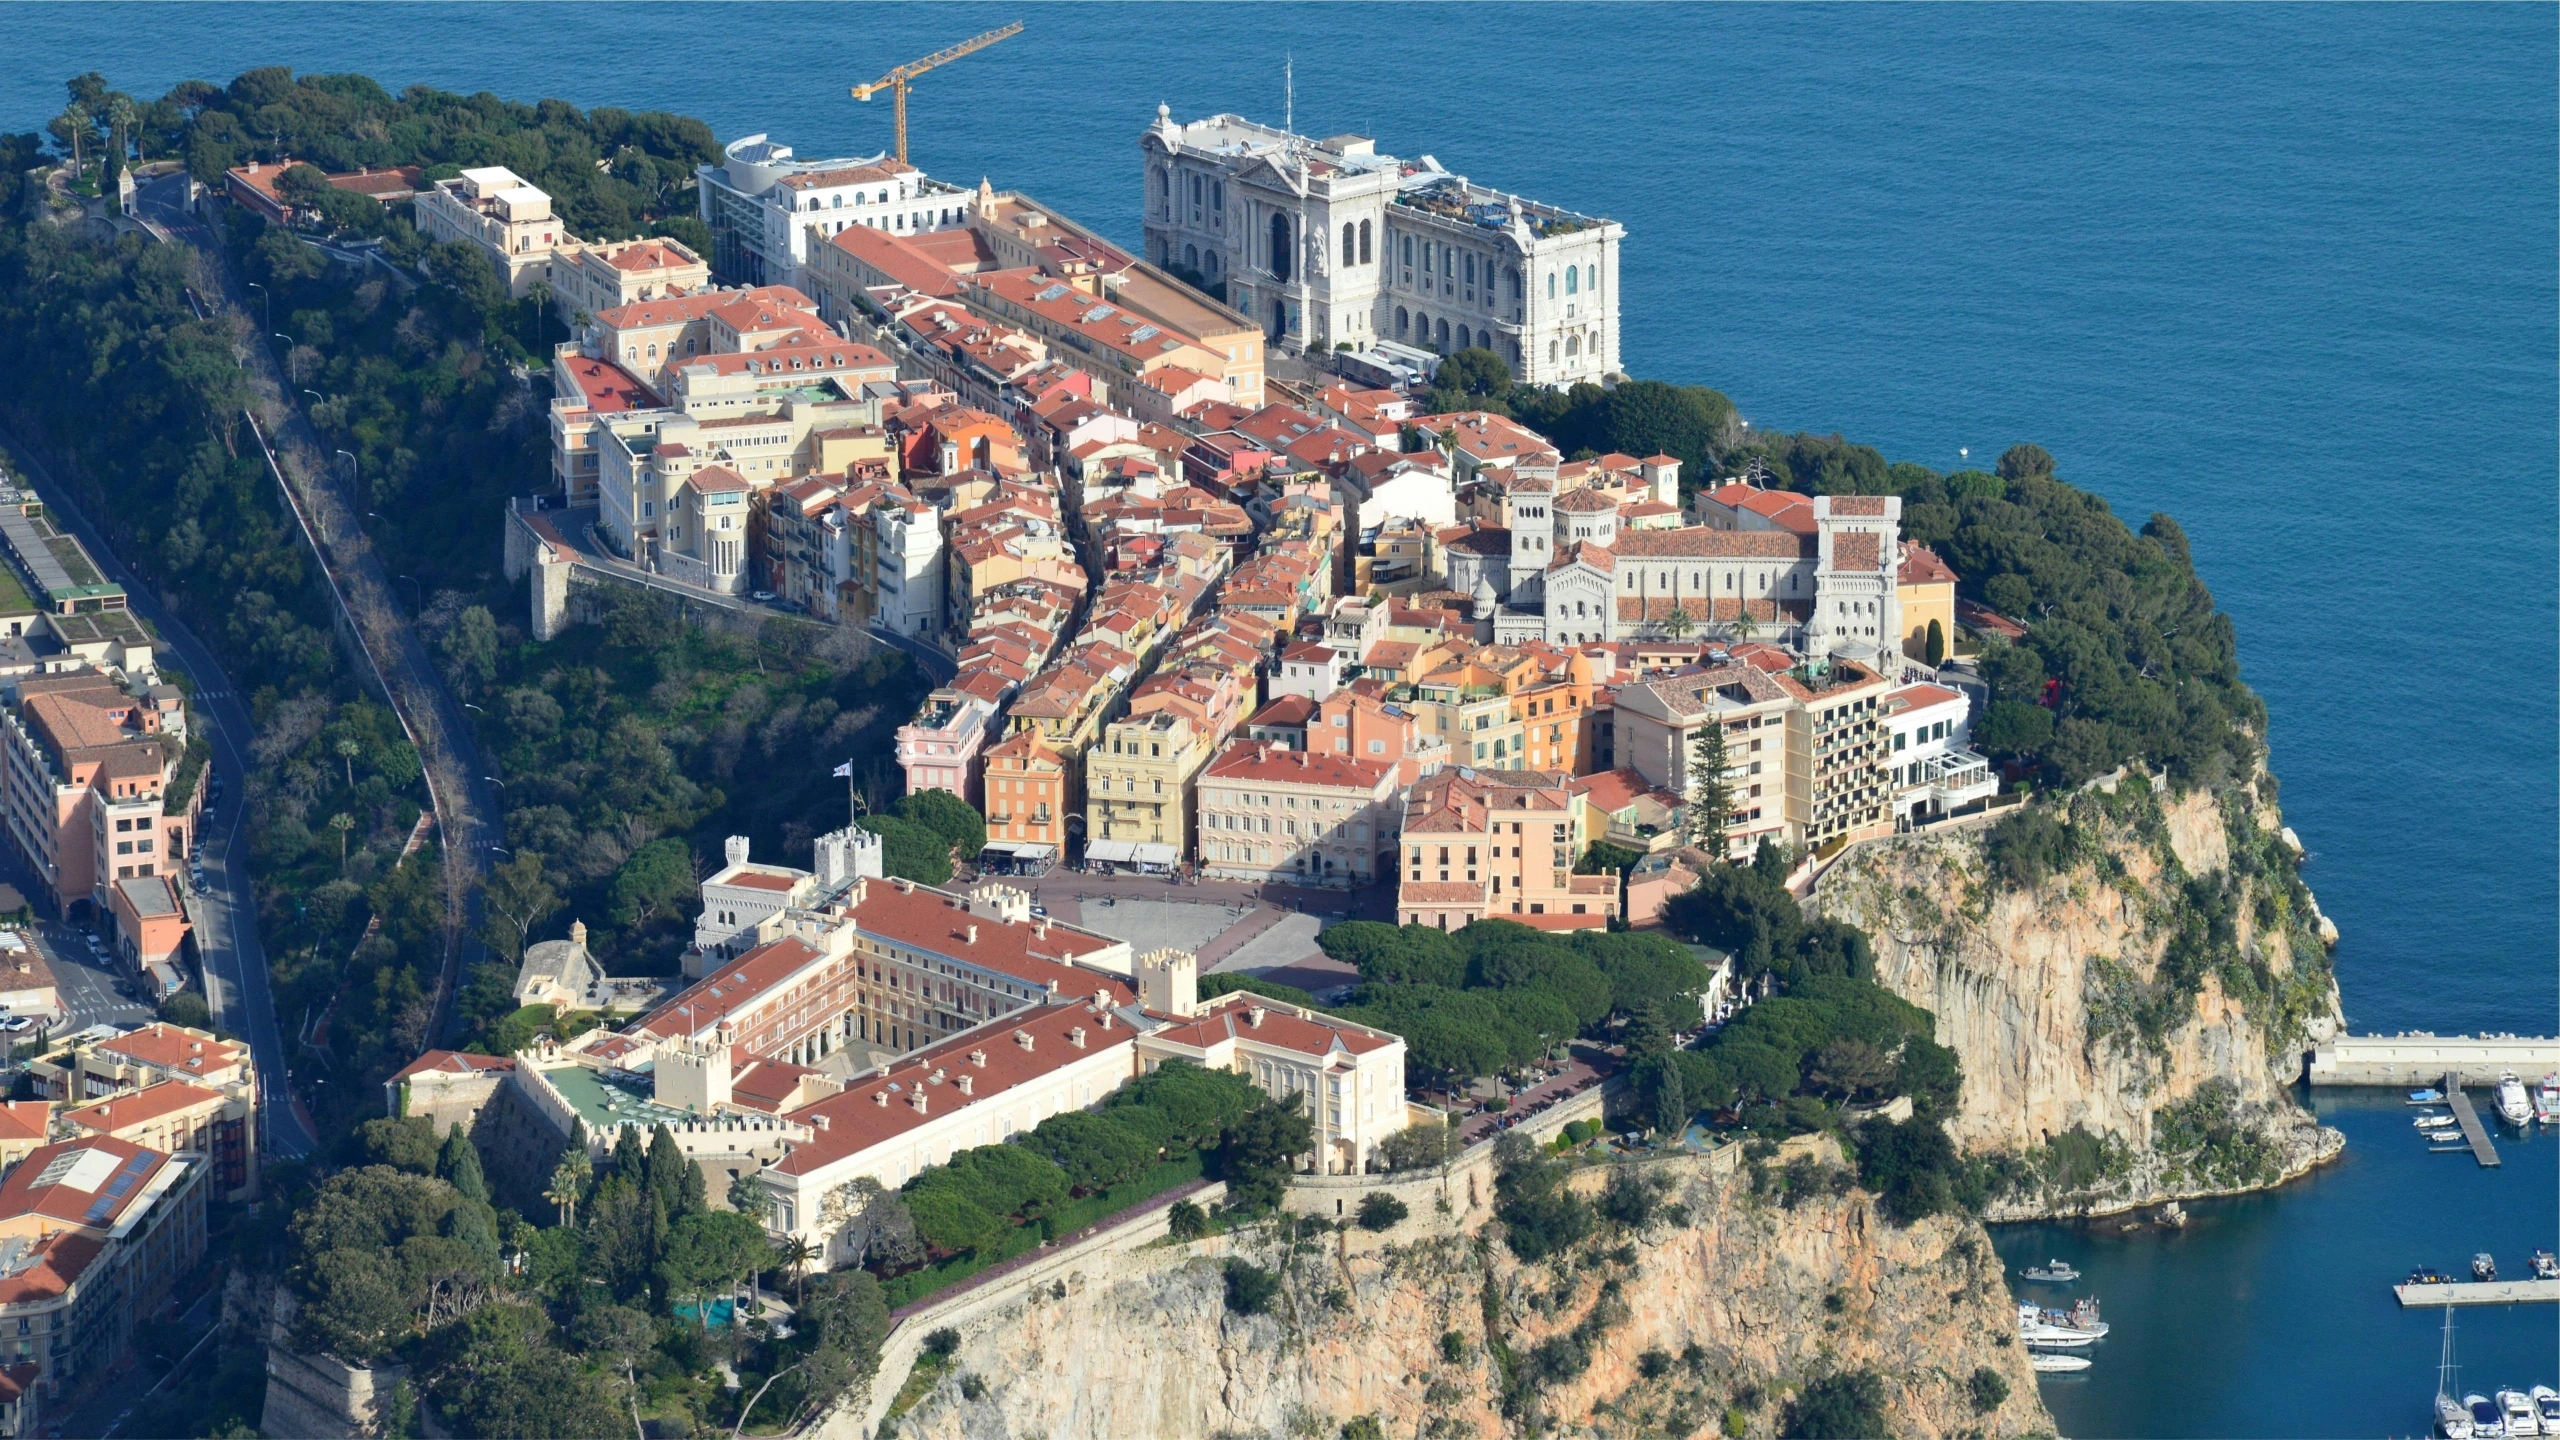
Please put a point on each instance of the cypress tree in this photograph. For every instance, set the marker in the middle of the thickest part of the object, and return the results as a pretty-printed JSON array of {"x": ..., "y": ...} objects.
[
  {"x": 1710, "y": 793},
  {"x": 630, "y": 1159},
  {"x": 1937, "y": 646},
  {"x": 458, "y": 1165},
  {"x": 667, "y": 1166}
]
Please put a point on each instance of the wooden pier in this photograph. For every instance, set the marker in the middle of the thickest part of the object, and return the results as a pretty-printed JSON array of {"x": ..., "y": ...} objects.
[
  {"x": 2469, "y": 1119},
  {"x": 2494, "y": 1292}
]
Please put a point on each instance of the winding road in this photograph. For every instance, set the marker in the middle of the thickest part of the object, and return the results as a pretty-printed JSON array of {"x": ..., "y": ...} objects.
[{"x": 226, "y": 907}]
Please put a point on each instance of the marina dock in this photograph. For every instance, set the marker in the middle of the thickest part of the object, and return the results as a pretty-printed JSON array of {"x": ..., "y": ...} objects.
[
  {"x": 2494, "y": 1292},
  {"x": 2469, "y": 1119}
]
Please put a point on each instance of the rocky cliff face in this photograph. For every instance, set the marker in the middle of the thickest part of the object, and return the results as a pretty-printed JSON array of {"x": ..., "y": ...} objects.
[
  {"x": 1702, "y": 1322},
  {"x": 2129, "y": 977}
]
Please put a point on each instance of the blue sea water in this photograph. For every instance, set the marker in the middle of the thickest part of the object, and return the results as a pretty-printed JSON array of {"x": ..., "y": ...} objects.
[{"x": 2285, "y": 272}]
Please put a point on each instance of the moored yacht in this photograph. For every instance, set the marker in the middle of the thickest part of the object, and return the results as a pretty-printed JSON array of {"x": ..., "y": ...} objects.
[
  {"x": 2546, "y": 1266},
  {"x": 2065, "y": 1364},
  {"x": 2484, "y": 1267},
  {"x": 2486, "y": 1422},
  {"x": 2512, "y": 1105},
  {"x": 2546, "y": 1405},
  {"x": 2516, "y": 1408},
  {"x": 2051, "y": 1272}
]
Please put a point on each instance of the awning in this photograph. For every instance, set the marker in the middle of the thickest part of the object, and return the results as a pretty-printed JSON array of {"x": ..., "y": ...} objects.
[
  {"x": 1156, "y": 855},
  {"x": 1000, "y": 847},
  {"x": 1028, "y": 851},
  {"x": 1116, "y": 851}
]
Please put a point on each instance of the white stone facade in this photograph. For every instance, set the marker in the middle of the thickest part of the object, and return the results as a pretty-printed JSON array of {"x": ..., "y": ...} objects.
[{"x": 1327, "y": 243}]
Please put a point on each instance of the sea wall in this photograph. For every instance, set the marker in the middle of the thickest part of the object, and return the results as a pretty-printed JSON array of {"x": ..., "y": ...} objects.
[
  {"x": 1707, "y": 1318},
  {"x": 2131, "y": 988}
]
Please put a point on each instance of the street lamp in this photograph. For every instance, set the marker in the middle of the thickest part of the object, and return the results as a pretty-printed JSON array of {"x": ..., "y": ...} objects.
[
  {"x": 268, "y": 299},
  {"x": 494, "y": 780},
  {"x": 419, "y": 594}
]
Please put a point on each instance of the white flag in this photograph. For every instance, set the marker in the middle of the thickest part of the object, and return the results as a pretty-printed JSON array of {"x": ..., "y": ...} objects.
[{"x": 844, "y": 771}]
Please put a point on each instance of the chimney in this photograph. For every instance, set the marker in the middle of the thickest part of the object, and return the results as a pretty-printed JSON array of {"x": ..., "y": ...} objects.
[
  {"x": 1253, "y": 1017},
  {"x": 1075, "y": 1037},
  {"x": 972, "y": 934},
  {"x": 880, "y": 1098},
  {"x": 965, "y": 1083},
  {"x": 820, "y": 1120},
  {"x": 1022, "y": 1038},
  {"x": 1105, "y": 1018},
  {"x": 917, "y": 1100},
  {"x": 978, "y": 1058}
]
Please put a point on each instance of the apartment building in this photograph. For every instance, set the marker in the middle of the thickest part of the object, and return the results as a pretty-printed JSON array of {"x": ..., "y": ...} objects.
[
  {"x": 769, "y": 210},
  {"x": 1327, "y": 242},
  {"x": 1838, "y": 783},
  {"x": 1657, "y": 724},
  {"x": 88, "y": 768},
  {"x": 178, "y": 1068},
  {"x": 1029, "y": 795},
  {"x": 499, "y": 213},
  {"x": 1292, "y": 817},
  {"x": 938, "y": 750},
  {"x": 1139, "y": 782},
  {"x": 93, "y": 1232},
  {"x": 1479, "y": 843}
]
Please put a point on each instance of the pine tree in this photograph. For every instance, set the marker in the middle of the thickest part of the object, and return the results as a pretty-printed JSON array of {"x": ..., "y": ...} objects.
[
  {"x": 1936, "y": 648},
  {"x": 1710, "y": 793},
  {"x": 1670, "y": 1104},
  {"x": 748, "y": 1196},
  {"x": 458, "y": 1165}
]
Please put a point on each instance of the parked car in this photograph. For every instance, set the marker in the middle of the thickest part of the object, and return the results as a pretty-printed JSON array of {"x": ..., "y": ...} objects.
[{"x": 16, "y": 1023}]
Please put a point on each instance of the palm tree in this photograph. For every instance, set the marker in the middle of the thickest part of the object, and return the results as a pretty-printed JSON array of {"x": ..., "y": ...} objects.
[
  {"x": 1744, "y": 627},
  {"x": 75, "y": 119},
  {"x": 121, "y": 114},
  {"x": 347, "y": 750},
  {"x": 796, "y": 1253},
  {"x": 342, "y": 822},
  {"x": 1678, "y": 624},
  {"x": 568, "y": 1182}
]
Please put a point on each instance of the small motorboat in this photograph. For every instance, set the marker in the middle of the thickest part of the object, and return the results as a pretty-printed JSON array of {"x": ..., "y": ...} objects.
[
  {"x": 2516, "y": 1408},
  {"x": 2484, "y": 1267},
  {"x": 2084, "y": 1317},
  {"x": 2513, "y": 1107},
  {"x": 2436, "y": 1122},
  {"x": 2051, "y": 1272},
  {"x": 2038, "y": 1327},
  {"x": 2065, "y": 1364},
  {"x": 2487, "y": 1423},
  {"x": 2546, "y": 1266},
  {"x": 2426, "y": 1097},
  {"x": 2429, "y": 1275}
]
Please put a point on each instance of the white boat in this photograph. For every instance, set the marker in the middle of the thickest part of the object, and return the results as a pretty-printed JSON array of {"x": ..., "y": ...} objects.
[
  {"x": 2513, "y": 1107},
  {"x": 2036, "y": 1328},
  {"x": 2051, "y": 1272},
  {"x": 2516, "y": 1408},
  {"x": 2486, "y": 1422},
  {"x": 2453, "y": 1418},
  {"x": 2546, "y": 1404},
  {"x": 2426, "y": 1097},
  {"x": 2436, "y": 1122},
  {"x": 2065, "y": 1364}
]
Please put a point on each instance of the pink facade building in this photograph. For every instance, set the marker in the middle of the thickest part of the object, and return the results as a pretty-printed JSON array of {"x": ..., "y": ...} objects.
[{"x": 939, "y": 749}]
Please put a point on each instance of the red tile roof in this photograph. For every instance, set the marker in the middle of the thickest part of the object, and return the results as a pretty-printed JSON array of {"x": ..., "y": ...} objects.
[
  {"x": 1250, "y": 762},
  {"x": 992, "y": 1058},
  {"x": 1230, "y": 1017},
  {"x": 171, "y": 1048},
  {"x": 150, "y": 1103},
  {"x": 607, "y": 387},
  {"x": 1921, "y": 566},
  {"x": 454, "y": 1062}
]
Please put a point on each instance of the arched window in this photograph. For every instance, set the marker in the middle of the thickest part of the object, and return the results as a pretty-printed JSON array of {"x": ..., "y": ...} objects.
[
  {"x": 1591, "y": 279},
  {"x": 1281, "y": 246},
  {"x": 839, "y": 203},
  {"x": 1444, "y": 334},
  {"x": 1573, "y": 344},
  {"x": 1195, "y": 189},
  {"x": 1213, "y": 264},
  {"x": 1164, "y": 182},
  {"x": 1572, "y": 279},
  {"x": 1191, "y": 257},
  {"x": 1350, "y": 245},
  {"x": 1463, "y": 340},
  {"x": 1400, "y": 322},
  {"x": 1513, "y": 275},
  {"x": 1364, "y": 242},
  {"x": 1551, "y": 286}
]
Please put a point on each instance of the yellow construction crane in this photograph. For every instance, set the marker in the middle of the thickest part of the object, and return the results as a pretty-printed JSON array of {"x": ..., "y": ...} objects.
[{"x": 896, "y": 81}]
